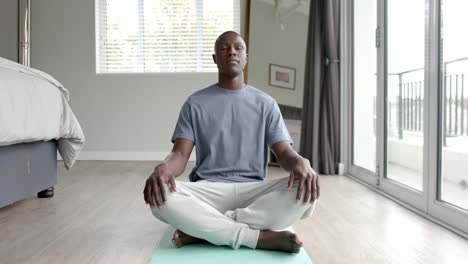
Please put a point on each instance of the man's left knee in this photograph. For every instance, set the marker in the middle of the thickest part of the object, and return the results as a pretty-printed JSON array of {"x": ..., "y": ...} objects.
[{"x": 310, "y": 210}]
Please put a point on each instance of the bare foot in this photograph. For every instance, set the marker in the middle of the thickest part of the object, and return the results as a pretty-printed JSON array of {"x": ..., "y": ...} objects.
[
  {"x": 180, "y": 239},
  {"x": 279, "y": 240}
]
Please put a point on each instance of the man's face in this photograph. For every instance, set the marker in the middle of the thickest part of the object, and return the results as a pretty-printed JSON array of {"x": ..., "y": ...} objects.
[{"x": 230, "y": 54}]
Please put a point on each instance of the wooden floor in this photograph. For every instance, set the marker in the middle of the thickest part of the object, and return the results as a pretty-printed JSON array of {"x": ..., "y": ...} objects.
[{"x": 98, "y": 216}]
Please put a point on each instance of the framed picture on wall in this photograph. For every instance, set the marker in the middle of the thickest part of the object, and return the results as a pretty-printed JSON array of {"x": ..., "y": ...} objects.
[{"x": 282, "y": 76}]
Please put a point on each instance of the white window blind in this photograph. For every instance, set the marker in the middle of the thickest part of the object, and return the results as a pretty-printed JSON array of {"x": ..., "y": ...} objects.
[{"x": 161, "y": 35}]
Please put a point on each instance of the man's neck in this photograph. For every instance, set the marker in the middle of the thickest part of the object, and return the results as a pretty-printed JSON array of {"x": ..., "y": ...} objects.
[{"x": 235, "y": 83}]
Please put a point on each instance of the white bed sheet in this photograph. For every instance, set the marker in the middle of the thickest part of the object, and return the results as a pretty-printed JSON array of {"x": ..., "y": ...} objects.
[{"x": 33, "y": 107}]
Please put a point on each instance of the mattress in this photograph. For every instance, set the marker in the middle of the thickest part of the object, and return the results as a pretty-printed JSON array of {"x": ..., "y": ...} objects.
[{"x": 34, "y": 107}]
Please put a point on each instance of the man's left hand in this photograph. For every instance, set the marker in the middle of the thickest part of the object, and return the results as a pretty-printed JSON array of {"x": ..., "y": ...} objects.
[{"x": 308, "y": 180}]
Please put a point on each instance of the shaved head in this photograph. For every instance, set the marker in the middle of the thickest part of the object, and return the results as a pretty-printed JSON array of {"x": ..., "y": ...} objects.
[
  {"x": 224, "y": 34},
  {"x": 230, "y": 54}
]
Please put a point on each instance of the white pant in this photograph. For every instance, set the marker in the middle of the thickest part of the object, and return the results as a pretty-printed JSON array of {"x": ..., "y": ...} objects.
[{"x": 231, "y": 213}]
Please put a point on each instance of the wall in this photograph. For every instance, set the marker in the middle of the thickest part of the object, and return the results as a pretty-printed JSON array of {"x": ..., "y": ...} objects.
[
  {"x": 124, "y": 116},
  {"x": 269, "y": 44},
  {"x": 9, "y": 29}
]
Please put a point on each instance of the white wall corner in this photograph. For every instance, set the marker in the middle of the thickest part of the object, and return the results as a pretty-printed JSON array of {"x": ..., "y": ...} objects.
[{"x": 341, "y": 169}]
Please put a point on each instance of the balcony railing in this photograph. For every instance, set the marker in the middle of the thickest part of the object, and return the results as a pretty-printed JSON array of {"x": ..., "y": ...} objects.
[{"x": 406, "y": 107}]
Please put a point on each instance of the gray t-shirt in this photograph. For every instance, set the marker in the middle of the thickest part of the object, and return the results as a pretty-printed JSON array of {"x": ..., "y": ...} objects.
[{"x": 232, "y": 131}]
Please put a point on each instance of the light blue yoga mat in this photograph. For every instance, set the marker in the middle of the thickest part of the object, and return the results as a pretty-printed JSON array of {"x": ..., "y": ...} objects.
[{"x": 208, "y": 253}]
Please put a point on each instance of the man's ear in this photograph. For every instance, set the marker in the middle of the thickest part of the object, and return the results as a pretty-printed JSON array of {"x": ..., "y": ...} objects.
[
  {"x": 214, "y": 57},
  {"x": 246, "y": 57}
]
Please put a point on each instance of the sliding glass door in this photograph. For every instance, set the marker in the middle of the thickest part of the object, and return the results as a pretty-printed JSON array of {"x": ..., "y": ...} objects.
[
  {"x": 364, "y": 90},
  {"x": 449, "y": 194},
  {"x": 453, "y": 187},
  {"x": 403, "y": 84},
  {"x": 409, "y": 103}
]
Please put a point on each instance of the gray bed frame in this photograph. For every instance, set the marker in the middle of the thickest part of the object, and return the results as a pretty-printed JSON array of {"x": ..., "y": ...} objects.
[{"x": 26, "y": 169}]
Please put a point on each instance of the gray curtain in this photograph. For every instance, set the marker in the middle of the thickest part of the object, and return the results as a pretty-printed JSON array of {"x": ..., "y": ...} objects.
[{"x": 320, "y": 133}]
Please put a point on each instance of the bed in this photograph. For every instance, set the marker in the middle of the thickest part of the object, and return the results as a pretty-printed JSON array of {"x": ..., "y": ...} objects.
[{"x": 36, "y": 121}]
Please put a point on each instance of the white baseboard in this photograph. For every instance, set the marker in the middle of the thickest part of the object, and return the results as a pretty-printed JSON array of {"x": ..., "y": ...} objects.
[{"x": 123, "y": 156}]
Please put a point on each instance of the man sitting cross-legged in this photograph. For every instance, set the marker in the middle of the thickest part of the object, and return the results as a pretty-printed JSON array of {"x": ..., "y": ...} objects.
[{"x": 227, "y": 201}]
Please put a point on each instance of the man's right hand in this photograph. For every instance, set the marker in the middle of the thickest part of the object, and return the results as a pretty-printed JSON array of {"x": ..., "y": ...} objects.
[
  {"x": 173, "y": 165},
  {"x": 154, "y": 187}
]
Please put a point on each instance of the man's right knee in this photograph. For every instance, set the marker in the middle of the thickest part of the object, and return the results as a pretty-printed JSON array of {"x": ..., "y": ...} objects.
[
  {"x": 175, "y": 202},
  {"x": 155, "y": 210}
]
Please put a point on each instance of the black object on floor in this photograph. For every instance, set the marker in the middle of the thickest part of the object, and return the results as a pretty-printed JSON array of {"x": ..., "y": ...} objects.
[{"x": 47, "y": 193}]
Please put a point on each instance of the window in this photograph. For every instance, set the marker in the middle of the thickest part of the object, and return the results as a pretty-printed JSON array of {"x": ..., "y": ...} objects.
[{"x": 161, "y": 35}]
